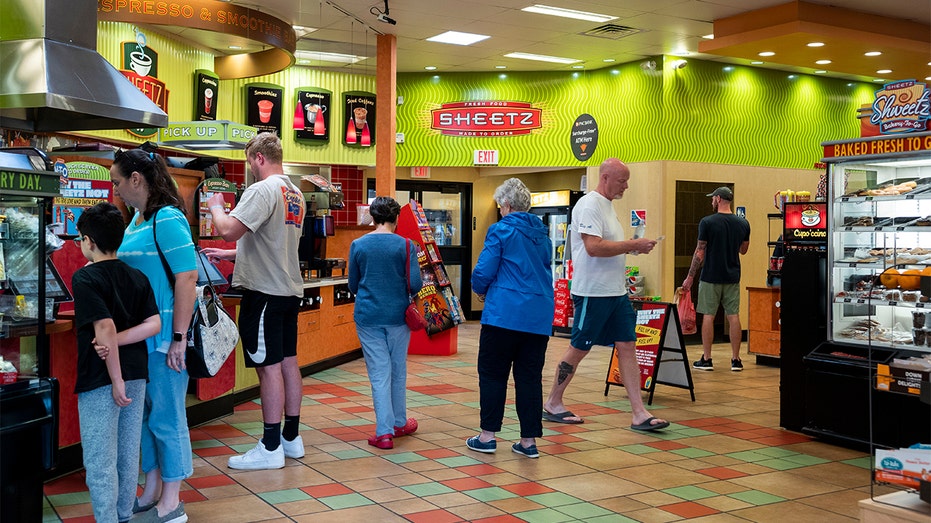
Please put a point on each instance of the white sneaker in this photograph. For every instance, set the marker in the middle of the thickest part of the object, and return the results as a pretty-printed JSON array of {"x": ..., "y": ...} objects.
[
  {"x": 258, "y": 458},
  {"x": 293, "y": 449}
]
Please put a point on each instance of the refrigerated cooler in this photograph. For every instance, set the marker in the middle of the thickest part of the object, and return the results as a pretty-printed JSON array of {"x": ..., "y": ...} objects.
[
  {"x": 878, "y": 258},
  {"x": 555, "y": 209}
]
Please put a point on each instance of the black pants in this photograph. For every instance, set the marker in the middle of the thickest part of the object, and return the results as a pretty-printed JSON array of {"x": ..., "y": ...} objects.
[{"x": 498, "y": 349}]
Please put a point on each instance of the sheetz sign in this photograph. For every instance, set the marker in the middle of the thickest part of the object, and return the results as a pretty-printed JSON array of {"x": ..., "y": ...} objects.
[{"x": 486, "y": 118}]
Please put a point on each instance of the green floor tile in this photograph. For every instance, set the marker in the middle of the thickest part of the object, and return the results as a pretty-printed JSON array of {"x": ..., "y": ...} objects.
[
  {"x": 404, "y": 457},
  {"x": 428, "y": 489},
  {"x": 243, "y": 448},
  {"x": 776, "y": 452},
  {"x": 691, "y": 432},
  {"x": 350, "y": 454},
  {"x": 72, "y": 498},
  {"x": 49, "y": 515},
  {"x": 692, "y": 452},
  {"x": 428, "y": 374},
  {"x": 544, "y": 515},
  {"x": 750, "y": 456},
  {"x": 690, "y": 492},
  {"x": 308, "y": 401},
  {"x": 285, "y": 496},
  {"x": 584, "y": 510},
  {"x": 779, "y": 464},
  {"x": 613, "y": 518},
  {"x": 805, "y": 459},
  {"x": 638, "y": 449},
  {"x": 346, "y": 501},
  {"x": 554, "y": 499},
  {"x": 472, "y": 404},
  {"x": 490, "y": 494},
  {"x": 866, "y": 462},
  {"x": 459, "y": 461},
  {"x": 354, "y": 422},
  {"x": 755, "y": 497},
  {"x": 206, "y": 444}
]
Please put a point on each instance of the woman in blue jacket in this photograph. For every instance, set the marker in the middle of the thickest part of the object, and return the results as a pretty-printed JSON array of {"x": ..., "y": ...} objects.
[{"x": 514, "y": 279}]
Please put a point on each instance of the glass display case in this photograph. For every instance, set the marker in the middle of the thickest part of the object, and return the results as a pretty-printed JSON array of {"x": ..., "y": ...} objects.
[{"x": 880, "y": 248}]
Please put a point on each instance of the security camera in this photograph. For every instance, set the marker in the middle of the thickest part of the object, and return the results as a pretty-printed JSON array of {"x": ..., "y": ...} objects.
[
  {"x": 649, "y": 65},
  {"x": 382, "y": 17},
  {"x": 679, "y": 64}
]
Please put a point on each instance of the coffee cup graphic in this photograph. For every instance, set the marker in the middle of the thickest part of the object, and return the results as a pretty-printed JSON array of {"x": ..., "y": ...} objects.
[
  {"x": 358, "y": 115},
  {"x": 140, "y": 62},
  {"x": 314, "y": 111},
  {"x": 208, "y": 100},
  {"x": 265, "y": 110}
]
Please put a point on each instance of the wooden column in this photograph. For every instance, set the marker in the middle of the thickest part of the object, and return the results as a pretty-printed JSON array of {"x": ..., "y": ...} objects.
[{"x": 386, "y": 107}]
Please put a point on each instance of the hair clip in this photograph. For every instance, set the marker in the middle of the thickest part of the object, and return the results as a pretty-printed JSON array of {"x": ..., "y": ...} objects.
[{"x": 152, "y": 156}]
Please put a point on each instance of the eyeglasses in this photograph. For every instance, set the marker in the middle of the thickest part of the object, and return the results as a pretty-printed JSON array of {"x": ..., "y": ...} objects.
[{"x": 78, "y": 239}]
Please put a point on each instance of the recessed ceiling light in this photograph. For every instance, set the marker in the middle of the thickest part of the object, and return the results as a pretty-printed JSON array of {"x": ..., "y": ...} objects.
[
  {"x": 321, "y": 56},
  {"x": 872, "y": 53},
  {"x": 708, "y": 37},
  {"x": 757, "y": 62},
  {"x": 501, "y": 67},
  {"x": 457, "y": 38},
  {"x": 578, "y": 67},
  {"x": 815, "y": 44},
  {"x": 568, "y": 13},
  {"x": 792, "y": 77},
  {"x": 430, "y": 68},
  {"x": 822, "y": 62},
  {"x": 543, "y": 58},
  {"x": 820, "y": 71},
  {"x": 927, "y": 77},
  {"x": 884, "y": 71},
  {"x": 767, "y": 53},
  {"x": 608, "y": 60}
]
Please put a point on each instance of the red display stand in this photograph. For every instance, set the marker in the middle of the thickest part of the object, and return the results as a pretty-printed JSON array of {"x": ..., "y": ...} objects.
[{"x": 440, "y": 306}]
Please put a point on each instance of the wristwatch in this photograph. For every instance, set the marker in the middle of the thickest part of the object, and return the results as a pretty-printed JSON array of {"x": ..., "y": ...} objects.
[{"x": 177, "y": 336}]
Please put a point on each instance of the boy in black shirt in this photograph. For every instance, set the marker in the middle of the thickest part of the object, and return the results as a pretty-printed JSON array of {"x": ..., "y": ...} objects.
[{"x": 115, "y": 310}]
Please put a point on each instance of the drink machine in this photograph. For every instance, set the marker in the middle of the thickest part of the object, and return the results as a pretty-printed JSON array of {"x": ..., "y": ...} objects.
[{"x": 321, "y": 196}]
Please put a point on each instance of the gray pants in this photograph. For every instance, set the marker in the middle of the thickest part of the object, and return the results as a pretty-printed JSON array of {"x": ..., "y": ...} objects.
[{"x": 110, "y": 438}]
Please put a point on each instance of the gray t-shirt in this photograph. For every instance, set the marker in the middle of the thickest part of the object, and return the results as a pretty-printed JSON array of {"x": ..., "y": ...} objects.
[
  {"x": 596, "y": 276},
  {"x": 266, "y": 259}
]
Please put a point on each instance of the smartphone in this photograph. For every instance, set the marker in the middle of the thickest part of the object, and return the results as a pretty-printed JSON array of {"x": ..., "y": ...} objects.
[{"x": 661, "y": 238}]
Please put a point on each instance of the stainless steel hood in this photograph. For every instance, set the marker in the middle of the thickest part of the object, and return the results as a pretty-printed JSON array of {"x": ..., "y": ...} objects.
[{"x": 53, "y": 79}]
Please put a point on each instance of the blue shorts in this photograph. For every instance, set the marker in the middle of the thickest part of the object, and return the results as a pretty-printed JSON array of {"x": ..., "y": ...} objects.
[
  {"x": 267, "y": 327},
  {"x": 602, "y": 321}
]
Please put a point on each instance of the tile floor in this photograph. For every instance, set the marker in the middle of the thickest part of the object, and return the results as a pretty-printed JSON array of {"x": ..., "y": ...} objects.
[{"x": 723, "y": 459}]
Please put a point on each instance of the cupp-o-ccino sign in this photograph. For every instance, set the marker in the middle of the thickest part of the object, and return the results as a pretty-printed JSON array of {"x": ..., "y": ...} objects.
[
  {"x": 901, "y": 107},
  {"x": 486, "y": 118}
]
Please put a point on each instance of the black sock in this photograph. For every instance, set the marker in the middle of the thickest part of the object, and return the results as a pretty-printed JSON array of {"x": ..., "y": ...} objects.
[
  {"x": 271, "y": 435},
  {"x": 290, "y": 427}
]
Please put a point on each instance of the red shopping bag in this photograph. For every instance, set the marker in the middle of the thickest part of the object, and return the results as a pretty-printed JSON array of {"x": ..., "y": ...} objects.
[{"x": 686, "y": 311}]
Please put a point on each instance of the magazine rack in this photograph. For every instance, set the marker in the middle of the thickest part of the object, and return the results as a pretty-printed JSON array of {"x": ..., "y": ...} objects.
[{"x": 436, "y": 299}]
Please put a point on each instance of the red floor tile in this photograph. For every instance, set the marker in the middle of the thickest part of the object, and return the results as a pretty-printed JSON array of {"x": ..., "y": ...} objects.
[
  {"x": 66, "y": 485},
  {"x": 462, "y": 484},
  {"x": 222, "y": 450},
  {"x": 479, "y": 470},
  {"x": 217, "y": 480},
  {"x": 192, "y": 496},
  {"x": 221, "y": 431},
  {"x": 330, "y": 489},
  {"x": 722, "y": 473},
  {"x": 354, "y": 410},
  {"x": 666, "y": 445},
  {"x": 528, "y": 488},
  {"x": 330, "y": 401},
  {"x": 689, "y": 509},
  {"x": 565, "y": 428},
  {"x": 433, "y": 516},
  {"x": 435, "y": 390},
  {"x": 438, "y": 453},
  {"x": 82, "y": 519},
  {"x": 249, "y": 405},
  {"x": 507, "y": 518}
]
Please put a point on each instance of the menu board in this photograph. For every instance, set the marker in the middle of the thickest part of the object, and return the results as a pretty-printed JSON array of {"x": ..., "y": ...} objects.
[
  {"x": 312, "y": 115},
  {"x": 359, "y": 114},
  {"x": 206, "y": 94},
  {"x": 263, "y": 107}
]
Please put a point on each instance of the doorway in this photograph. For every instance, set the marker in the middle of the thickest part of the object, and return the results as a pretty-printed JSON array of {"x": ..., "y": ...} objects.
[
  {"x": 692, "y": 205},
  {"x": 448, "y": 206}
]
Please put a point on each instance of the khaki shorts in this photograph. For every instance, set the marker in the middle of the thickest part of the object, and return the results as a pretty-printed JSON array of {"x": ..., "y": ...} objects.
[{"x": 710, "y": 295}]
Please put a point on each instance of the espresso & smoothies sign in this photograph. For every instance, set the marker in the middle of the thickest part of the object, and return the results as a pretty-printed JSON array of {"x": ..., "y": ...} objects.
[{"x": 486, "y": 118}]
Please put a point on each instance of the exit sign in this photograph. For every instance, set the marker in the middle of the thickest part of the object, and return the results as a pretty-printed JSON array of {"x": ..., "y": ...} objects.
[{"x": 481, "y": 157}]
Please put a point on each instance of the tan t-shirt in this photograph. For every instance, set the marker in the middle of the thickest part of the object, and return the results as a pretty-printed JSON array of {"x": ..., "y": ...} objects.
[{"x": 266, "y": 258}]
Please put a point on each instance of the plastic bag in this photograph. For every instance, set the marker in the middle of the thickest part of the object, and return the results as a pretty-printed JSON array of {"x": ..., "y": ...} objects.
[{"x": 686, "y": 311}]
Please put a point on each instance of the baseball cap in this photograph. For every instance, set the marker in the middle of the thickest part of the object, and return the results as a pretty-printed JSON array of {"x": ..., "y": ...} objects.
[{"x": 723, "y": 192}]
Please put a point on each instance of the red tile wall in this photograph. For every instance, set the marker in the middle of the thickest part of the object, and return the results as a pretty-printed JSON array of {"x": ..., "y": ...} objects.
[{"x": 353, "y": 193}]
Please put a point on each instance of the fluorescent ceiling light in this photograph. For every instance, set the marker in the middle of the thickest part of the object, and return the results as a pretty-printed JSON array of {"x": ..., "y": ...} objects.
[
  {"x": 608, "y": 60},
  {"x": 542, "y": 58},
  {"x": 708, "y": 36},
  {"x": 321, "y": 56},
  {"x": 455, "y": 37},
  {"x": 430, "y": 68},
  {"x": 884, "y": 71},
  {"x": 756, "y": 62},
  {"x": 820, "y": 71},
  {"x": 568, "y": 13},
  {"x": 501, "y": 67}
]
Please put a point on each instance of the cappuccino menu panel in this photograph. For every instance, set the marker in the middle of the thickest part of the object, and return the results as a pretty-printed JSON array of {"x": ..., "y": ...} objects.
[
  {"x": 263, "y": 107},
  {"x": 312, "y": 115}
]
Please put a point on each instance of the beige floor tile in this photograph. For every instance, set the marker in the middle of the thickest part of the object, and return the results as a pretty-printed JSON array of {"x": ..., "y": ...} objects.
[
  {"x": 594, "y": 486},
  {"x": 366, "y": 514},
  {"x": 789, "y": 485},
  {"x": 241, "y": 509},
  {"x": 780, "y": 512},
  {"x": 660, "y": 476}
]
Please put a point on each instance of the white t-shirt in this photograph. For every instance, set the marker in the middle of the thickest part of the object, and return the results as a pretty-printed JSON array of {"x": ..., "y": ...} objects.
[
  {"x": 596, "y": 276},
  {"x": 266, "y": 258}
]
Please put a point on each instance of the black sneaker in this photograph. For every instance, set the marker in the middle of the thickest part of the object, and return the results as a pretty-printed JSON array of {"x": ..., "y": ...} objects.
[
  {"x": 736, "y": 365},
  {"x": 703, "y": 364}
]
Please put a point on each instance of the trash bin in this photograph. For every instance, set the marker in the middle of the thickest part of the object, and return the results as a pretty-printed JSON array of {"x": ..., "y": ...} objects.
[{"x": 28, "y": 445}]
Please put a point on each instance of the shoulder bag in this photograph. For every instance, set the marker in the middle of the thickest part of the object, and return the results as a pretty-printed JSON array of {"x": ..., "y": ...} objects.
[
  {"x": 213, "y": 334},
  {"x": 412, "y": 316}
]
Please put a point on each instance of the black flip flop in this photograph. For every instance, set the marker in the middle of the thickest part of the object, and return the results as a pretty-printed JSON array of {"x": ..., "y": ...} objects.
[
  {"x": 646, "y": 426},
  {"x": 560, "y": 417}
]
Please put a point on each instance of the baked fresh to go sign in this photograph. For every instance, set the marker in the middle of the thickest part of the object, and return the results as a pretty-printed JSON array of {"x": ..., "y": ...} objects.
[
  {"x": 882, "y": 145},
  {"x": 486, "y": 118}
]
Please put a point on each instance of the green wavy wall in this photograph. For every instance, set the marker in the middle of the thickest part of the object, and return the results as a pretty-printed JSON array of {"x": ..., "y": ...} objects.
[{"x": 707, "y": 112}]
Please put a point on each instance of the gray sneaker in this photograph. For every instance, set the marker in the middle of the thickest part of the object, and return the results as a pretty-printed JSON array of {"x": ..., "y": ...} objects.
[{"x": 151, "y": 516}]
